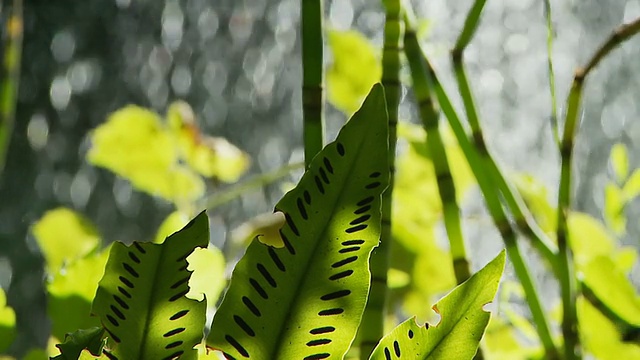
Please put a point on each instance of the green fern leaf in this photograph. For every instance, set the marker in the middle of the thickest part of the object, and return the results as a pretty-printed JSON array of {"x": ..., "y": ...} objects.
[
  {"x": 462, "y": 323},
  {"x": 305, "y": 300},
  {"x": 141, "y": 302}
]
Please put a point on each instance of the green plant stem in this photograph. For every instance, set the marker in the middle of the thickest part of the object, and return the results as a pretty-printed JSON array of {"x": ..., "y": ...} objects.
[
  {"x": 569, "y": 286},
  {"x": 552, "y": 77},
  {"x": 217, "y": 199},
  {"x": 312, "y": 78},
  {"x": 446, "y": 187},
  {"x": 489, "y": 191},
  {"x": 10, "y": 78},
  {"x": 372, "y": 325}
]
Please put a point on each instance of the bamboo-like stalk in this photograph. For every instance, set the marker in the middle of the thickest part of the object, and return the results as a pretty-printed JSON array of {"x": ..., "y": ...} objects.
[
  {"x": 569, "y": 286},
  {"x": 429, "y": 113},
  {"x": 312, "y": 78},
  {"x": 491, "y": 195},
  {"x": 552, "y": 77},
  {"x": 372, "y": 325},
  {"x": 10, "y": 78}
]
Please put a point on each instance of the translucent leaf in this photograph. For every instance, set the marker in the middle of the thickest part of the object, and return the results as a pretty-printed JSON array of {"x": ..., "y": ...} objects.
[
  {"x": 140, "y": 300},
  {"x": 7, "y": 323},
  {"x": 600, "y": 336},
  {"x": 536, "y": 197},
  {"x": 461, "y": 326},
  {"x": 355, "y": 68},
  {"x": 207, "y": 278},
  {"x": 305, "y": 300},
  {"x": 212, "y": 157},
  {"x": 614, "y": 203},
  {"x": 63, "y": 236},
  {"x": 91, "y": 339},
  {"x": 71, "y": 292},
  {"x": 397, "y": 278},
  {"x": 631, "y": 187},
  {"x": 135, "y": 144},
  {"x": 588, "y": 238},
  {"x": 619, "y": 162},
  {"x": 265, "y": 227},
  {"x": 172, "y": 223},
  {"x": 500, "y": 342}
]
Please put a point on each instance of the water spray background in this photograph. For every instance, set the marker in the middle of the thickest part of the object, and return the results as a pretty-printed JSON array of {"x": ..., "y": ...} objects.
[{"x": 238, "y": 64}]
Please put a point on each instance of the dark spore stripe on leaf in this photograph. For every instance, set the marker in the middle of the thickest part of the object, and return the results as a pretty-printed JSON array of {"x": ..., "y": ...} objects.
[
  {"x": 126, "y": 281},
  {"x": 287, "y": 244},
  {"x": 113, "y": 336},
  {"x": 251, "y": 306},
  {"x": 356, "y": 228},
  {"x": 173, "y": 344},
  {"x": 179, "y": 295},
  {"x": 258, "y": 288},
  {"x": 179, "y": 314},
  {"x": 113, "y": 320},
  {"x": 359, "y": 220},
  {"x": 307, "y": 197},
  {"x": 243, "y": 325},
  {"x": 276, "y": 259},
  {"x": 121, "y": 302},
  {"x": 117, "y": 312},
  {"x": 174, "y": 356},
  {"x": 139, "y": 248},
  {"x": 236, "y": 345},
  {"x": 341, "y": 275},
  {"x": 410, "y": 334},
  {"x": 322, "y": 330},
  {"x": 349, "y": 249},
  {"x": 180, "y": 282},
  {"x": 317, "y": 356},
  {"x": 374, "y": 174},
  {"x": 344, "y": 262},
  {"x": 291, "y": 224},
  {"x": 334, "y": 311},
  {"x": 267, "y": 276},
  {"x": 319, "y": 184},
  {"x": 184, "y": 256},
  {"x": 174, "y": 332},
  {"x": 363, "y": 209},
  {"x": 301, "y": 209},
  {"x": 124, "y": 292},
  {"x": 134, "y": 257},
  {"x": 327, "y": 164},
  {"x": 109, "y": 355},
  {"x": 365, "y": 201},
  {"x": 352, "y": 242},
  {"x": 387, "y": 354},
  {"x": 340, "y": 149},
  {"x": 396, "y": 348},
  {"x": 228, "y": 357},
  {"x": 335, "y": 295},
  {"x": 323, "y": 175},
  {"x": 183, "y": 267},
  {"x": 318, "y": 342},
  {"x": 373, "y": 185}
]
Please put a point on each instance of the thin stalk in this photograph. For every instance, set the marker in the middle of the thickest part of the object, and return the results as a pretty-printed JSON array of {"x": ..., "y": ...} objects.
[
  {"x": 312, "y": 78},
  {"x": 552, "y": 77},
  {"x": 217, "y": 199},
  {"x": 10, "y": 78},
  {"x": 372, "y": 326},
  {"x": 429, "y": 113},
  {"x": 522, "y": 216},
  {"x": 490, "y": 193},
  {"x": 568, "y": 283}
]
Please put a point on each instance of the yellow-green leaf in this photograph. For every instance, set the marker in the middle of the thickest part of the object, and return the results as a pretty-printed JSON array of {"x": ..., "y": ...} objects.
[
  {"x": 208, "y": 278},
  {"x": 265, "y": 227},
  {"x": 631, "y": 187},
  {"x": 614, "y": 204},
  {"x": 355, "y": 68},
  {"x": 172, "y": 223},
  {"x": 63, "y": 236},
  {"x": 619, "y": 162},
  {"x": 7, "y": 323}
]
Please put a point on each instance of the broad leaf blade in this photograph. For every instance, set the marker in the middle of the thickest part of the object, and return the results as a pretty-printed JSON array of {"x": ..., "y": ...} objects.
[
  {"x": 460, "y": 329},
  {"x": 305, "y": 300},
  {"x": 140, "y": 300}
]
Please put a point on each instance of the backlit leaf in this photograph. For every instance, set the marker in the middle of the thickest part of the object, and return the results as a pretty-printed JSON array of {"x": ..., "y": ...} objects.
[
  {"x": 631, "y": 187},
  {"x": 140, "y": 300},
  {"x": 91, "y": 339},
  {"x": 614, "y": 204},
  {"x": 7, "y": 323},
  {"x": 461, "y": 326},
  {"x": 207, "y": 278},
  {"x": 305, "y": 300},
  {"x": 619, "y": 162},
  {"x": 355, "y": 68},
  {"x": 172, "y": 223}
]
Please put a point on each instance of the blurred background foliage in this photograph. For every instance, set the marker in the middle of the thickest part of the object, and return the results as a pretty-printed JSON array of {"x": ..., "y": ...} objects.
[{"x": 237, "y": 65}]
